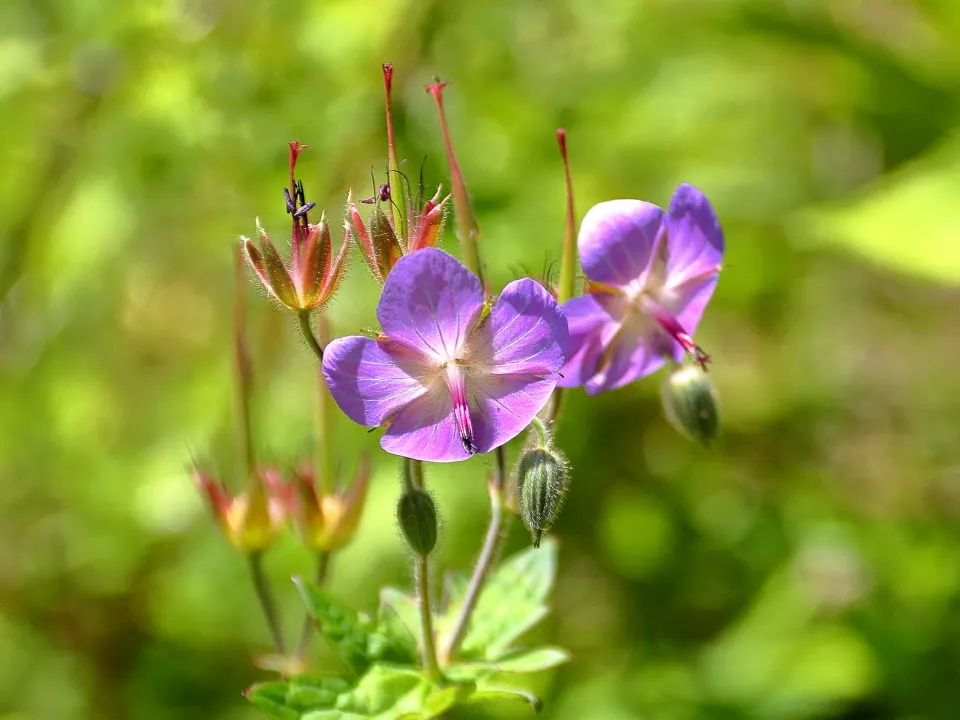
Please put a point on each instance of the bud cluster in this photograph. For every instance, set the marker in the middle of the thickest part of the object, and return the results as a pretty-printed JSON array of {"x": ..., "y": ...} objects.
[{"x": 252, "y": 519}]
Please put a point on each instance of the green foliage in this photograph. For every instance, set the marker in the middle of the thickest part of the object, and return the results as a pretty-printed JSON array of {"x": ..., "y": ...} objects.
[
  {"x": 386, "y": 688},
  {"x": 807, "y": 568}
]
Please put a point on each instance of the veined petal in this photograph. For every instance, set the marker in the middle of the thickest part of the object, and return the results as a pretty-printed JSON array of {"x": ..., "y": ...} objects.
[
  {"x": 594, "y": 321},
  {"x": 430, "y": 302},
  {"x": 635, "y": 351},
  {"x": 506, "y": 405},
  {"x": 371, "y": 380},
  {"x": 616, "y": 240},
  {"x": 526, "y": 333},
  {"x": 425, "y": 430},
  {"x": 695, "y": 239}
]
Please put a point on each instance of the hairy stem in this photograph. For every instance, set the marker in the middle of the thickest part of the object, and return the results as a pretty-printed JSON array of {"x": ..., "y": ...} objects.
[
  {"x": 265, "y": 596},
  {"x": 430, "y": 664},
  {"x": 488, "y": 555},
  {"x": 304, "y": 317},
  {"x": 323, "y": 569}
]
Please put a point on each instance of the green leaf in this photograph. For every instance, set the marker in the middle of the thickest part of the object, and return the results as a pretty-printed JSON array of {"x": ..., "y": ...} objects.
[
  {"x": 348, "y": 631},
  {"x": 398, "y": 620},
  {"x": 303, "y": 693},
  {"x": 527, "y": 661},
  {"x": 334, "y": 715},
  {"x": 442, "y": 700},
  {"x": 387, "y": 693},
  {"x": 271, "y": 699},
  {"x": 513, "y": 601},
  {"x": 492, "y": 695}
]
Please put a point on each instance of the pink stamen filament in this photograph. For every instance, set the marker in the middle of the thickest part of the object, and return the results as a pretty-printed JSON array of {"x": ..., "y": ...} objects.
[
  {"x": 456, "y": 382},
  {"x": 673, "y": 328}
]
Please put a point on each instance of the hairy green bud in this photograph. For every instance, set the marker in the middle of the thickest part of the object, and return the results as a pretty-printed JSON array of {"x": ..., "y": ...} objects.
[
  {"x": 543, "y": 476},
  {"x": 691, "y": 403},
  {"x": 417, "y": 516}
]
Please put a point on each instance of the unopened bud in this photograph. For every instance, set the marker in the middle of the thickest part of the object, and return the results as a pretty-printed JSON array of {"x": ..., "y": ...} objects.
[
  {"x": 691, "y": 403},
  {"x": 417, "y": 516},
  {"x": 543, "y": 476}
]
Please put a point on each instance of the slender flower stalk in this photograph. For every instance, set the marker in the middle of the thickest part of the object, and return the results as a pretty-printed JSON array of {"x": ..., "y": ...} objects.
[
  {"x": 568, "y": 261},
  {"x": 492, "y": 544},
  {"x": 430, "y": 664},
  {"x": 304, "y": 319},
  {"x": 393, "y": 167},
  {"x": 255, "y": 521},
  {"x": 568, "y": 258},
  {"x": 265, "y": 597},
  {"x": 418, "y": 523},
  {"x": 467, "y": 229},
  {"x": 324, "y": 458},
  {"x": 241, "y": 364}
]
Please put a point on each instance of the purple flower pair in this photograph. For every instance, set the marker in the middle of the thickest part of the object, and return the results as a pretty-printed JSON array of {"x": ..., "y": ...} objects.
[{"x": 448, "y": 379}]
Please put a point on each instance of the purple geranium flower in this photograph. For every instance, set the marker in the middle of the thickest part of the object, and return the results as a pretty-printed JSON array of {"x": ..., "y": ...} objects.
[
  {"x": 446, "y": 380},
  {"x": 651, "y": 274}
]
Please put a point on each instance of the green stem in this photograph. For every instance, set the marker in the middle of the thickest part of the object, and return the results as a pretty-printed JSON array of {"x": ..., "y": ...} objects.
[
  {"x": 323, "y": 568},
  {"x": 541, "y": 427},
  {"x": 323, "y": 457},
  {"x": 265, "y": 597},
  {"x": 304, "y": 317},
  {"x": 488, "y": 554},
  {"x": 242, "y": 366},
  {"x": 430, "y": 664}
]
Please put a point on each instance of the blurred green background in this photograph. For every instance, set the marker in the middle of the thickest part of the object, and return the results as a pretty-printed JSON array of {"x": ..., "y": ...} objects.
[{"x": 808, "y": 568}]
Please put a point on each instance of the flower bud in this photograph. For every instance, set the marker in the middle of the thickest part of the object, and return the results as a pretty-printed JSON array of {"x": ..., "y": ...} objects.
[
  {"x": 417, "y": 516},
  {"x": 691, "y": 403},
  {"x": 543, "y": 476}
]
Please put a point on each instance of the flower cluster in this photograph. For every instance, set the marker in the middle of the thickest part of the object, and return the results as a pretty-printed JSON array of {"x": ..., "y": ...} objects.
[{"x": 456, "y": 371}]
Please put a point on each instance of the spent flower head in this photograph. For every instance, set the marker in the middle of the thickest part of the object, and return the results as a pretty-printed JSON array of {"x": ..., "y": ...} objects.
[
  {"x": 650, "y": 276},
  {"x": 327, "y": 521},
  {"x": 251, "y": 519},
  {"x": 314, "y": 274},
  {"x": 446, "y": 378}
]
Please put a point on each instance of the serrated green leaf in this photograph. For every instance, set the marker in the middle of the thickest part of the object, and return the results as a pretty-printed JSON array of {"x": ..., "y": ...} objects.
[
  {"x": 344, "y": 628},
  {"x": 527, "y": 661},
  {"x": 398, "y": 620},
  {"x": 387, "y": 693},
  {"x": 301, "y": 694},
  {"x": 513, "y": 601},
  {"x": 271, "y": 699}
]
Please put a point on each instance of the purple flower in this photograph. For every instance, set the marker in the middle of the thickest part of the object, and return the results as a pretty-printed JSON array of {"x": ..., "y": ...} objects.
[
  {"x": 446, "y": 379},
  {"x": 651, "y": 274}
]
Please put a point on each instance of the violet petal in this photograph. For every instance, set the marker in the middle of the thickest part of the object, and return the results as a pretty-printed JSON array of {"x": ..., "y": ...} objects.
[
  {"x": 695, "y": 238},
  {"x": 368, "y": 381},
  {"x": 430, "y": 302},
  {"x": 616, "y": 239}
]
